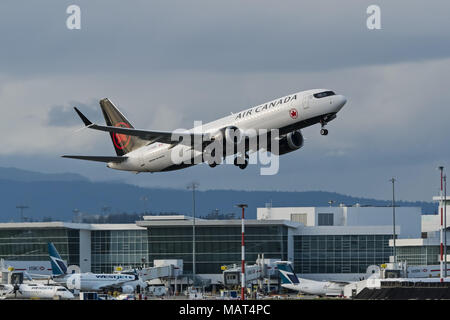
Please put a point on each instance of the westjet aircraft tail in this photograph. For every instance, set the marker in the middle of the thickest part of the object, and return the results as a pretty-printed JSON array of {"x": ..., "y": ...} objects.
[
  {"x": 287, "y": 273},
  {"x": 58, "y": 265}
]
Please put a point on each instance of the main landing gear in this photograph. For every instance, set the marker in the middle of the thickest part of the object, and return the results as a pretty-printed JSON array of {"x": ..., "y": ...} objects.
[
  {"x": 241, "y": 162},
  {"x": 213, "y": 164}
]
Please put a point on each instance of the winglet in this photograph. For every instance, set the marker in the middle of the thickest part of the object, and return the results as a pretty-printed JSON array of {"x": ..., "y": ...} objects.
[{"x": 83, "y": 117}]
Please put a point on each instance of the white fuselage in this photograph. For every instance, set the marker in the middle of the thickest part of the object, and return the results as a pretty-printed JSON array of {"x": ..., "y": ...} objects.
[
  {"x": 94, "y": 282},
  {"x": 38, "y": 291},
  {"x": 319, "y": 288},
  {"x": 271, "y": 115}
]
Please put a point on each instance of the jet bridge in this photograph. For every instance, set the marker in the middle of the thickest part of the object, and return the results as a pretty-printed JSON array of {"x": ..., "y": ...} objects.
[
  {"x": 264, "y": 271},
  {"x": 161, "y": 269},
  {"x": 232, "y": 274}
]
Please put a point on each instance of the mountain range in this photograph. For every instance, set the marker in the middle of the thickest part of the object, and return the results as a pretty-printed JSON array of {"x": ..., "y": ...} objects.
[{"x": 56, "y": 196}]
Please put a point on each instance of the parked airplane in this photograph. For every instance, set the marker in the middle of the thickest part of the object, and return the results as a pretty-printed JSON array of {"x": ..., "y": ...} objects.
[
  {"x": 90, "y": 281},
  {"x": 153, "y": 151},
  {"x": 28, "y": 290},
  {"x": 289, "y": 280}
]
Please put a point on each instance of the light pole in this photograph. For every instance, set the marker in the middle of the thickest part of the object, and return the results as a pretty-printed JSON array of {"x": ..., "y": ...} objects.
[
  {"x": 193, "y": 186},
  {"x": 105, "y": 209},
  {"x": 393, "y": 218},
  {"x": 76, "y": 216},
  {"x": 445, "y": 225},
  {"x": 21, "y": 207},
  {"x": 243, "y": 284},
  {"x": 441, "y": 194},
  {"x": 145, "y": 200}
]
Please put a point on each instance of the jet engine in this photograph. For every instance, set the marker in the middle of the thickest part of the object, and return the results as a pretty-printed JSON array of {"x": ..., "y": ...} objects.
[
  {"x": 74, "y": 282},
  {"x": 127, "y": 289},
  {"x": 290, "y": 142},
  {"x": 233, "y": 135}
]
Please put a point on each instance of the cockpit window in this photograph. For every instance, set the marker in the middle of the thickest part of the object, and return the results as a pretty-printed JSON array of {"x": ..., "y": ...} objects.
[{"x": 324, "y": 94}]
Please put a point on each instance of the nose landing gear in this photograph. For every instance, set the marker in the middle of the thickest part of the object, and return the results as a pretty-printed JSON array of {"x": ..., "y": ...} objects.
[{"x": 323, "y": 131}]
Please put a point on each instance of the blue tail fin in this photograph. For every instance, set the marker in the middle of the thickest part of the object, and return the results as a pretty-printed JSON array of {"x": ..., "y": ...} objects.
[
  {"x": 287, "y": 273},
  {"x": 58, "y": 265}
]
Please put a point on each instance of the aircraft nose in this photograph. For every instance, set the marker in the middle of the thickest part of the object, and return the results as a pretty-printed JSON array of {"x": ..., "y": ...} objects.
[{"x": 340, "y": 102}]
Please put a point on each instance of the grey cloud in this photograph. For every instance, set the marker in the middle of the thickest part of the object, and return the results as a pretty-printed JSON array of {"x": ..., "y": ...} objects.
[
  {"x": 168, "y": 63},
  {"x": 64, "y": 115},
  {"x": 231, "y": 36}
]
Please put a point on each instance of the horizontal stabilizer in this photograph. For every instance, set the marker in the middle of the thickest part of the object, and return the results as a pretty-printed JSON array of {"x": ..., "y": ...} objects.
[
  {"x": 160, "y": 136},
  {"x": 98, "y": 158},
  {"x": 122, "y": 130}
]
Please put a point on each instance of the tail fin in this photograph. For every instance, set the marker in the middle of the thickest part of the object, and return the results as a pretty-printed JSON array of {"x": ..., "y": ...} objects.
[
  {"x": 113, "y": 117},
  {"x": 287, "y": 273},
  {"x": 58, "y": 265}
]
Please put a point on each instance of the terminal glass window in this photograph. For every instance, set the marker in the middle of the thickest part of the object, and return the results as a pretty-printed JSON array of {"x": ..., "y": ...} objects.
[
  {"x": 216, "y": 246},
  {"x": 339, "y": 253},
  {"x": 299, "y": 217},
  {"x": 32, "y": 244},
  {"x": 325, "y": 219},
  {"x": 113, "y": 248},
  {"x": 419, "y": 255}
]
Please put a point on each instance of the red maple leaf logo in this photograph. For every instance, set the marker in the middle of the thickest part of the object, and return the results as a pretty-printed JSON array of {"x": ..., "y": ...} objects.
[
  {"x": 293, "y": 113},
  {"x": 120, "y": 140}
]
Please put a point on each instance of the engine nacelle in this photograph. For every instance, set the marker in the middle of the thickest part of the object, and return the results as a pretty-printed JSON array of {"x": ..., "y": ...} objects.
[
  {"x": 291, "y": 142},
  {"x": 233, "y": 135},
  {"x": 158, "y": 290},
  {"x": 127, "y": 289},
  {"x": 74, "y": 282}
]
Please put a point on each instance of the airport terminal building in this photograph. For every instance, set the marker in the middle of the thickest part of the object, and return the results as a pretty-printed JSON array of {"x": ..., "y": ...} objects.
[
  {"x": 425, "y": 250},
  {"x": 92, "y": 247},
  {"x": 322, "y": 242}
]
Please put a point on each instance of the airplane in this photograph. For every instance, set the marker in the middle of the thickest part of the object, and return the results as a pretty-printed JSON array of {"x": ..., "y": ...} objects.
[
  {"x": 32, "y": 291},
  {"x": 152, "y": 151},
  {"x": 91, "y": 281},
  {"x": 289, "y": 280}
]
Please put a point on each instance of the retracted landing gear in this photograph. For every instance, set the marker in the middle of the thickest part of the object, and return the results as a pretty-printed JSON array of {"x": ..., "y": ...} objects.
[
  {"x": 211, "y": 160},
  {"x": 241, "y": 162},
  {"x": 212, "y": 164}
]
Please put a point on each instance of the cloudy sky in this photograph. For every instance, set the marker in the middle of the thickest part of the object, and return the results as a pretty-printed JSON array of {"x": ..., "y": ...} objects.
[{"x": 167, "y": 63}]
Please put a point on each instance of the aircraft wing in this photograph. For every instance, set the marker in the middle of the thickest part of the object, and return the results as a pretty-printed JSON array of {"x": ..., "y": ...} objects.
[
  {"x": 109, "y": 286},
  {"x": 149, "y": 135},
  {"x": 98, "y": 158},
  {"x": 340, "y": 282},
  {"x": 32, "y": 276}
]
